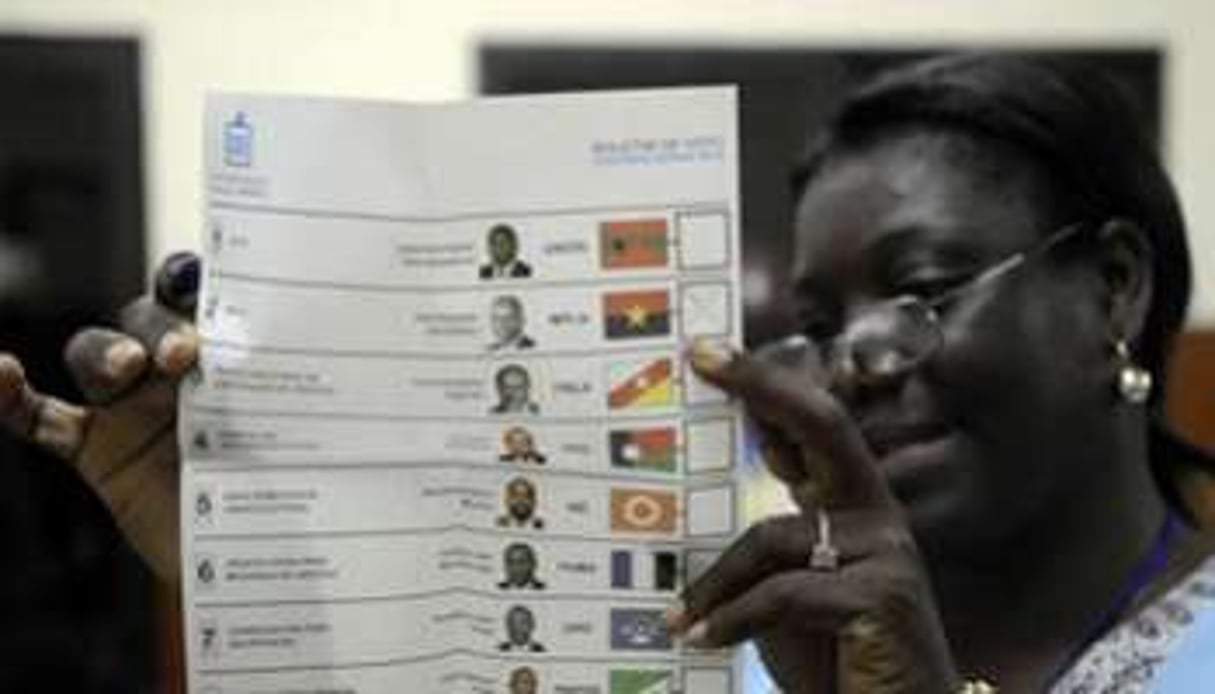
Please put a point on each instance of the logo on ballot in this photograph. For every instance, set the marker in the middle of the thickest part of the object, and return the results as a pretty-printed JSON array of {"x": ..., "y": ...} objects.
[
  {"x": 636, "y": 313},
  {"x": 639, "y": 630},
  {"x": 641, "y": 682},
  {"x": 641, "y": 383},
  {"x": 238, "y": 142},
  {"x": 633, "y": 243},
  {"x": 652, "y": 449},
  {"x": 644, "y": 511}
]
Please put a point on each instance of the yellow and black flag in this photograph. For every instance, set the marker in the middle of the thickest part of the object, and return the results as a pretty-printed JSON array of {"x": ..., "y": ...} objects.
[{"x": 644, "y": 313}]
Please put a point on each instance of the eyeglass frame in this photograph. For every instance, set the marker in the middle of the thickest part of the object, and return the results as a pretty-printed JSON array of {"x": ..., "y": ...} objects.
[{"x": 930, "y": 307}]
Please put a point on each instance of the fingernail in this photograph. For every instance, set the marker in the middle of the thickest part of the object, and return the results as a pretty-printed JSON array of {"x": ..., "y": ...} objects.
[
  {"x": 121, "y": 357},
  {"x": 709, "y": 357},
  {"x": 697, "y": 635},
  {"x": 177, "y": 282},
  {"x": 175, "y": 350},
  {"x": 182, "y": 274},
  {"x": 674, "y": 616}
]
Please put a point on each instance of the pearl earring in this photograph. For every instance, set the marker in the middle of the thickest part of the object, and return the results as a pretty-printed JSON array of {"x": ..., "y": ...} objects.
[{"x": 1134, "y": 381}]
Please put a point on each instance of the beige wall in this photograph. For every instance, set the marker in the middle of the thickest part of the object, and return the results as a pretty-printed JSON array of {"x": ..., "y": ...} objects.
[{"x": 410, "y": 49}]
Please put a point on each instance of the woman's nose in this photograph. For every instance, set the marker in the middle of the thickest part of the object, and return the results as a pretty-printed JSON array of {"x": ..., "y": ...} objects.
[
  {"x": 797, "y": 353},
  {"x": 868, "y": 356}
]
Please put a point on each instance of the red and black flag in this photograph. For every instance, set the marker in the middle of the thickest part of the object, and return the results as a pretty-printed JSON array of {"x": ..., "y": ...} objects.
[
  {"x": 652, "y": 448},
  {"x": 644, "y": 313}
]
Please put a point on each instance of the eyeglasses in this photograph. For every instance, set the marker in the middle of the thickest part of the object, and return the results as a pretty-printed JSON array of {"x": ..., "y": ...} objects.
[{"x": 899, "y": 334}]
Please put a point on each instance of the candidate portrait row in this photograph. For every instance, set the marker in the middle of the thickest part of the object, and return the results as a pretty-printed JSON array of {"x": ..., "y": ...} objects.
[
  {"x": 627, "y": 569},
  {"x": 534, "y": 679},
  {"x": 557, "y": 246},
  {"x": 624, "y": 244},
  {"x": 629, "y": 629},
  {"x": 631, "y": 509},
  {"x": 627, "y": 314},
  {"x": 632, "y": 384},
  {"x": 637, "y": 447}
]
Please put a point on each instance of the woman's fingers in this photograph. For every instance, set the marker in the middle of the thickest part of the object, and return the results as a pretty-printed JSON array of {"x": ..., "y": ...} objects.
[
  {"x": 881, "y": 612},
  {"x": 169, "y": 338},
  {"x": 791, "y": 407},
  {"x": 812, "y": 600},
  {"x": 104, "y": 363},
  {"x": 19, "y": 405},
  {"x": 781, "y": 544},
  {"x": 155, "y": 332},
  {"x": 769, "y": 546},
  {"x": 54, "y": 424},
  {"x": 125, "y": 445}
]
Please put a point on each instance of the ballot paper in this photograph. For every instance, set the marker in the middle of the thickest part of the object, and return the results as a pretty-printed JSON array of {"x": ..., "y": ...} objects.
[{"x": 443, "y": 437}]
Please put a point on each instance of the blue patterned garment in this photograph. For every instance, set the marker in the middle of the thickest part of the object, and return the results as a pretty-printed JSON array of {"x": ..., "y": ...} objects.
[
  {"x": 1155, "y": 642},
  {"x": 1167, "y": 644},
  {"x": 1168, "y": 648},
  {"x": 1191, "y": 668}
]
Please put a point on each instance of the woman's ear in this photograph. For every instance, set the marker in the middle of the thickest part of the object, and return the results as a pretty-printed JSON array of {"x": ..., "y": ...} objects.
[{"x": 1125, "y": 261}]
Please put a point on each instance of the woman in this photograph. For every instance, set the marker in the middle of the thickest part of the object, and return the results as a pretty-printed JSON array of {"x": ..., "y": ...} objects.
[
  {"x": 987, "y": 252},
  {"x": 990, "y": 264}
]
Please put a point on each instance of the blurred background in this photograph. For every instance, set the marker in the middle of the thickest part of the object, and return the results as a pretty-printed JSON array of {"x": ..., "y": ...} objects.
[{"x": 101, "y": 106}]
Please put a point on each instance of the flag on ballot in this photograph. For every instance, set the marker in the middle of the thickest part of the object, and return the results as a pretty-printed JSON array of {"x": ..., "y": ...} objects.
[
  {"x": 641, "y": 682},
  {"x": 643, "y": 449},
  {"x": 644, "y": 510},
  {"x": 636, "y": 313},
  {"x": 640, "y": 383},
  {"x": 639, "y": 630},
  {"x": 633, "y": 243},
  {"x": 644, "y": 570}
]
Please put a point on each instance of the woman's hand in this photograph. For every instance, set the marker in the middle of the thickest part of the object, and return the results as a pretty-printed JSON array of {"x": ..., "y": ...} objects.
[
  {"x": 871, "y": 625},
  {"x": 123, "y": 441}
]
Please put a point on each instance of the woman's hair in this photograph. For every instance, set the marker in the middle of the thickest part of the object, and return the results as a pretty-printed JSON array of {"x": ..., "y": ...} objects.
[{"x": 1072, "y": 124}]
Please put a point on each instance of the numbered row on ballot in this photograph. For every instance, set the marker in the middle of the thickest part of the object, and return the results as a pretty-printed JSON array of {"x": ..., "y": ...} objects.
[
  {"x": 499, "y": 322},
  {"x": 665, "y": 447},
  {"x": 422, "y": 565},
  {"x": 515, "y": 250},
  {"x": 562, "y": 388},
  {"x": 296, "y": 636},
  {"x": 463, "y": 674},
  {"x": 302, "y": 502}
]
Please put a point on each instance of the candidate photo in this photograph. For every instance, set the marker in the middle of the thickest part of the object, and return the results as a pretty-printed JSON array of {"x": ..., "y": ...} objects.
[
  {"x": 502, "y": 249},
  {"x": 524, "y": 680},
  {"x": 520, "y": 500},
  {"x": 520, "y": 625},
  {"x": 507, "y": 322},
  {"x": 513, "y": 385},
  {"x": 519, "y": 564},
  {"x": 519, "y": 446}
]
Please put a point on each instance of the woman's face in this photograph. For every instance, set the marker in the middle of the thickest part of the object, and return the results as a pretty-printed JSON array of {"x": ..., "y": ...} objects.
[{"x": 990, "y": 435}]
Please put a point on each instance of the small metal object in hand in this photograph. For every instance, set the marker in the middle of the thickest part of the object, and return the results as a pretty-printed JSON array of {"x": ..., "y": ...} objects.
[{"x": 824, "y": 556}]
